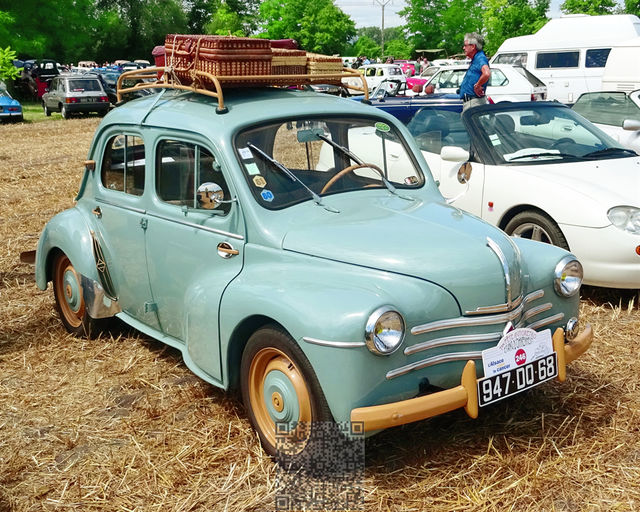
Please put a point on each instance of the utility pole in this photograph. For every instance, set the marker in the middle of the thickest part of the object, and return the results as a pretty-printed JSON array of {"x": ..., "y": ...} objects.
[{"x": 382, "y": 3}]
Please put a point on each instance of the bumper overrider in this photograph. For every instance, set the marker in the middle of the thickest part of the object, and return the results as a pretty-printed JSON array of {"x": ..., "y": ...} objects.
[{"x": 465, "y": 395}]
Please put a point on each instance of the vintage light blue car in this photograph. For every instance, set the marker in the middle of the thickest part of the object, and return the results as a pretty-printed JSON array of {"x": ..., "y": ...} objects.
[{"x": 340, "y": 288}]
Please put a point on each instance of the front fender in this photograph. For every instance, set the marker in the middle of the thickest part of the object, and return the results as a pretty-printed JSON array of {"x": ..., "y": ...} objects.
[{"x": 318, "y": 300}]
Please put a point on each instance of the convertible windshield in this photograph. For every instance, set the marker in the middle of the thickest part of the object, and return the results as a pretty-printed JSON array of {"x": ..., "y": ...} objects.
[
  {"x": 298, "y": 160},
  {"x": 543, "y": 134}
]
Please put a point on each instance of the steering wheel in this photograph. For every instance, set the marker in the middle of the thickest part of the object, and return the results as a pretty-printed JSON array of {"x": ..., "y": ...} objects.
[
  {"x": 560, "y": 142},
  {"x": 347, "y": 170}
]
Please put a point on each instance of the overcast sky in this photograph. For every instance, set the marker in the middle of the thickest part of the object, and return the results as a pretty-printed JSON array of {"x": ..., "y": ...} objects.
[{"x": 368, "y": 13}]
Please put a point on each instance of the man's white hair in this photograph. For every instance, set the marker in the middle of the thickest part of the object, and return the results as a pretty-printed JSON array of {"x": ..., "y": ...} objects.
[{"x": 475, "y": 38}]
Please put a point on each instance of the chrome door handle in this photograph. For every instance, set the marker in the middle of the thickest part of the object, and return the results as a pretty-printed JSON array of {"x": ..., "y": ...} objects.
[
  {"x": 97, "y": 212},
  {"x": 226, "y": 250}
]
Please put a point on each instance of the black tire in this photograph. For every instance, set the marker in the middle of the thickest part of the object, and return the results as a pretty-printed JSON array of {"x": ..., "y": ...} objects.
[
  {"x": 65, "y": 113},
  {"x": 536, "y": 226},
  {"x": 296, "y": 399},
  {"x": 70, "y": 304},
  {"x": 47, "y": 112}
]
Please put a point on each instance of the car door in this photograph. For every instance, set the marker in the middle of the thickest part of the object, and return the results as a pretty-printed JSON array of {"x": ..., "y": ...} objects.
[
  {"x": 119, "y": 217},
  {"x": 50, "y": 97},
  {"x": 194, "y": 246}
]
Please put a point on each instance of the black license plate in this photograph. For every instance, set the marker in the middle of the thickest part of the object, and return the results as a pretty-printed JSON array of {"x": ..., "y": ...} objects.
[{"x": 495, "y": 388}]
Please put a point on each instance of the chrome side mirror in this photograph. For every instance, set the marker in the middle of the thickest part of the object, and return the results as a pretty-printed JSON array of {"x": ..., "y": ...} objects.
[{"x": 464, "y": 173}]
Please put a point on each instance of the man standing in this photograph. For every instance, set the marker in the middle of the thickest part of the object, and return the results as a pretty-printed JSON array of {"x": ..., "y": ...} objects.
[{"x": 474, "y": 84}]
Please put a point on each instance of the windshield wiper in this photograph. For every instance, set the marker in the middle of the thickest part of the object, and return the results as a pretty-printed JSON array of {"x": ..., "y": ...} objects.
[
  {"x": 287, "y": 172},
  {"x": 548, "y": 153},
  {"x": 359, "y": 161},
  {"x": 607, "y": 151}
]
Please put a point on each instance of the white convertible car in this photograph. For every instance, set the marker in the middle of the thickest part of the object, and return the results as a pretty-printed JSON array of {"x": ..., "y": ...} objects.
[{"x": 538, "y": 170}]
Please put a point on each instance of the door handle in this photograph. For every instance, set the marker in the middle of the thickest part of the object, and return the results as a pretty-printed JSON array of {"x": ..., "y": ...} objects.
[
  {"x": 226, "y": 250},
  {"x": 97, "y": 212}
]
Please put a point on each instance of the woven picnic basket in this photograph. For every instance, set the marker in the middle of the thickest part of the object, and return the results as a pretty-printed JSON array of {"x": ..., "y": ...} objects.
[
  {"x": 318, "y": 64},
  {"x": 288, "y": 62},
  {"x": 220, "y": 56}
]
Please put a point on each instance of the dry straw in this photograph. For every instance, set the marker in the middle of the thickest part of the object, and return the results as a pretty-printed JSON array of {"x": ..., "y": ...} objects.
[{"x": 119, "y": 423}]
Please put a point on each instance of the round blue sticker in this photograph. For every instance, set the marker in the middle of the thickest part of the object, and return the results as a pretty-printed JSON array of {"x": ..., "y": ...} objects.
[{"x": 267, "y": 195}]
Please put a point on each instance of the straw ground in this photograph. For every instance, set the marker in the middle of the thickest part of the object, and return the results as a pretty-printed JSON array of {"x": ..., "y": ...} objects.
[{"x": 118, "y": 423}]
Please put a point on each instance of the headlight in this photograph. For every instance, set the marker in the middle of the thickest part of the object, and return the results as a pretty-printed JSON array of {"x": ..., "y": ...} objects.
[
  {"x": 384, "y": 331},
  {"x": 626, "y": 218},
  {"x": 568, "y": 277}
]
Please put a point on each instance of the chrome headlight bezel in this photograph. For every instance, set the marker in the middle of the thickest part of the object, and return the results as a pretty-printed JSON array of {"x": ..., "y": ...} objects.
[
  {"x": 567, "y": 277},
  {"x": 626, "y": 218},
  {"x": 374, "y": 343}
]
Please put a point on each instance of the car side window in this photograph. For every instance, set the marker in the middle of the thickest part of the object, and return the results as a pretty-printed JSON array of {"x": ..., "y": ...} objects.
[
  {"x": 123, "y": 164},
  {"x": 189, "y": 175},
  {"x": 498, "y": 79}
]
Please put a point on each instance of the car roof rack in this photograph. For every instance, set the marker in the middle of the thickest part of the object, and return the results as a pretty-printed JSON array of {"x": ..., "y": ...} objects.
[{"x": 165, "y": 77}]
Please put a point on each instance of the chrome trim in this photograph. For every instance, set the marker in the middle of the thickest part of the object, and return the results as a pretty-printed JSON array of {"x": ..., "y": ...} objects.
[
  {"x": 557, "y": 275},
  {"x": 572, "y": 328},
  {"x": 538, "y": 294},
  {"x": 197, "y": 226},
  {"x": 546, "y": 321},
  {"x": 124, "y": 207},
  {"x": 335, "y": 344},
  {"x": 536, "y": 311},
  {"x": 453, "y": 340},
  {"x": 370, "y": 327},
  {"x": 498, "y": 308},
  {"x": 442, "y": 358},
  {"x": 505, "y": 267},
  {"x": 96, "y": 301}
]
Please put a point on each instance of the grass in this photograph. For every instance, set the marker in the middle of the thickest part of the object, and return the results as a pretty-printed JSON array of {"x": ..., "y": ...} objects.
[{"x": 119, "y": 423}]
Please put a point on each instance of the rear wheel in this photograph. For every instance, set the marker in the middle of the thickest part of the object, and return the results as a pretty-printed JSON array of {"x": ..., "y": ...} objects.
[
  {"x": 64, "y": 112},
  {"x": 47, "y": 112},
  {"x": 536, "y": 226},
  {"x": 67, "y": 289},
  {"x": 280, "y": 387}
]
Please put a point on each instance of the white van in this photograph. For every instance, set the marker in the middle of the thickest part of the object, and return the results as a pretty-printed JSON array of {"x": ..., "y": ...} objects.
[
  {"x": 622, "y": 72},
  {"x": 569, "y": 53}
]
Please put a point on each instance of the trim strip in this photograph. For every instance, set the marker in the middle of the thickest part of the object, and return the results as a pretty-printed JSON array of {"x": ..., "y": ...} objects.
[
  {"x": 536, "y": 311},
  {"x": 124, "y": 207},
  {"x": 505, "y": 267},
  {"x": 335, "y": 344},
  {"x": 443, "y": 358},
  {"x": 453, "y": 340},
  {"x": 546, "y": 321},
  {"x": 498, "y": 308},
  {"x": 196, "y": 226}
]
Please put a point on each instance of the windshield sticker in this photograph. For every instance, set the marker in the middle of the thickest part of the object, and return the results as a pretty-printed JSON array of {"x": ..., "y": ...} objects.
[
  {"x": 494, "y": 139},
  {"x": 383, "y": 127},
  {"x": 245, "y": 153},
  {"x": 252, "y": 169},
  {"x": 259, "y": 181},
  {"x": 267, "y": 195}
]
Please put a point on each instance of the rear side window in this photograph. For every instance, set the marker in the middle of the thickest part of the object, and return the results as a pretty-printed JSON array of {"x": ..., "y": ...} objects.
[
  {"x": 123, "y": 164},
  {"x": 597, "y": 58},
  {"x": 568, "y": 59},
  {"x": 610, "y": 108},
  {"x": 497, "y": 79},
  {"x": 515, "y": 59}
]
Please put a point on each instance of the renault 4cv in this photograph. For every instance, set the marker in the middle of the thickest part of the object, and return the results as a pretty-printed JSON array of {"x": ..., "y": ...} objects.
[{"x": 343, "y": 288}]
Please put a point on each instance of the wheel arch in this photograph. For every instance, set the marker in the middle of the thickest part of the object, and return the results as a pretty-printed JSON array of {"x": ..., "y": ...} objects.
[{"x": 521, "y": 208}]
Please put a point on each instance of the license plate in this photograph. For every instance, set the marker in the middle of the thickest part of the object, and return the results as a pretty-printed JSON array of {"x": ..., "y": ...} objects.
[{"x": 502, "y": 385}]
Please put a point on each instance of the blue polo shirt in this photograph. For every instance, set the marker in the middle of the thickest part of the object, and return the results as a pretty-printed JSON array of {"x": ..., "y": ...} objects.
[{"x": 473, "y": 74}]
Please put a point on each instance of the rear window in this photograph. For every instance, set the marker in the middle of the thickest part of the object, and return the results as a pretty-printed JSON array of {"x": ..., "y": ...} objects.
[
  {"x": 568, "y": 59},
  {"x": 610, "y": 108},
  {"x": 597, "y": 58},
  {"x": 83, "y": 84},
  {"x": 515, "y": 59}
]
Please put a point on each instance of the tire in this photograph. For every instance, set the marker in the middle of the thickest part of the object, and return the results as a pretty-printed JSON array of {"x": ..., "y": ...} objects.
[
  {"x": 272, "y": 360},
  {"x": 69, "y": 298},
  {"x": 65, "y": 113},
  {"x": 536, "y": 226},
  {"x": 47, "y": 112}
]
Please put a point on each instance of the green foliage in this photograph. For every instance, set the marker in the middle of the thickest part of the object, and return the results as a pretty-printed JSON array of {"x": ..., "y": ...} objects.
[
  {"x": 632, "y": 7},
  {"x": 7, "y": 70},
  {"x": 367, "y": 46},
  {"x": 318, "y": 26},
  {"x": 398, "y": 49},
  {"x": 510, "y": 18},
  {"x": 225, "y": 21},
  {"x": 593, "y": 7}
]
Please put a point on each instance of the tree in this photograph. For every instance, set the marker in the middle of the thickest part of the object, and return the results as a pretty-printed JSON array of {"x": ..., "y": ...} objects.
[
  {"x": 225, "y": 21},
  {"x": 7, "y": 70},
  {"x": 632, "y": 7},
  {"x": 367, "y": 46},
  {"x": 509, "y": 18},
  {"x": 398, "y": 49},
  {"x": 593, "y": 7},
  {"x": 318, "y": 26}
]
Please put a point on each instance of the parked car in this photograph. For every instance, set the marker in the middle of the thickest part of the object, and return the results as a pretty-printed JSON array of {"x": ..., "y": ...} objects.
[
  {"x": 394, "y": 97},
  {"x": 317, "y": 282},
  {"x": 616, "y": 113},
  {"x": 10, "y": 109},
  {"x": 507, "y": 83},
  {"x": 72, "y": 93},
  {"x": 542, "y": 171},
  {"x": 375, "y": 74},
  {"x": 424, "y": 76}
]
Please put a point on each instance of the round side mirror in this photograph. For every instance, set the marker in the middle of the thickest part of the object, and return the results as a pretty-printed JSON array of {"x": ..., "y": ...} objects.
[{"x": 464, "y": 173}]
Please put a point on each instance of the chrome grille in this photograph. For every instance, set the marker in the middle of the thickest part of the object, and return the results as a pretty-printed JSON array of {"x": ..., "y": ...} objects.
[{"x": 527, "y": 314}]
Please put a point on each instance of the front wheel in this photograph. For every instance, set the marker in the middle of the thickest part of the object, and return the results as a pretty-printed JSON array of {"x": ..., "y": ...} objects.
[
  {"x": 280, "y": 391},
  {"x": 536, "y": 226},
  {"x": 67, "y": 289},
  {"x": 47, "y": 112}
]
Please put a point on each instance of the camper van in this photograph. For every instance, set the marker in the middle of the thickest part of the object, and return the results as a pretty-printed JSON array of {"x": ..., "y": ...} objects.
[
  {"x": 622, "y": 73},
  {"x": 569, "y": 53}
]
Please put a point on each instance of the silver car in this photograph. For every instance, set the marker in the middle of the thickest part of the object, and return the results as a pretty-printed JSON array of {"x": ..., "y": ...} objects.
[{"x": 69, "y": 94}]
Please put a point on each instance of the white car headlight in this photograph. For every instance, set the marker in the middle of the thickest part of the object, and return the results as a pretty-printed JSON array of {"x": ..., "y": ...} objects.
[
  {"x": 384, "y": 331},
  {"x": 626, "y": 218},
  {"x": 568, "y": 277}
]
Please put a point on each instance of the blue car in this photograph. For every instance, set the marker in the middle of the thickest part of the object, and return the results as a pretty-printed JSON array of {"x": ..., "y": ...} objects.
[
  {"x": 9, "y": 108},
  {"x": 393, "y": 97}
]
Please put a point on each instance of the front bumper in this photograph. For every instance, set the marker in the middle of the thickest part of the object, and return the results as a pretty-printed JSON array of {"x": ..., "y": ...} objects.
[{"x": 465, "y": 395}]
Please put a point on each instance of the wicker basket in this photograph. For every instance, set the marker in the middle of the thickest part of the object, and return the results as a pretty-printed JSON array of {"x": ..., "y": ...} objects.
[
  {"x": 288, "y": 62},
  {"x": 318, "y": 64},
  {"x": 219, "y": 55}
]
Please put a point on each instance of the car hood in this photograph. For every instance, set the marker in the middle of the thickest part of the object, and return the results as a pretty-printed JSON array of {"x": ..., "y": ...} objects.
[{"x": 429, "y": 241}]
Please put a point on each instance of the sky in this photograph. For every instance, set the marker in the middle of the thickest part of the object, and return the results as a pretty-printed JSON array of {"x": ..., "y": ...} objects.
[{"x": 368, "y": 13}]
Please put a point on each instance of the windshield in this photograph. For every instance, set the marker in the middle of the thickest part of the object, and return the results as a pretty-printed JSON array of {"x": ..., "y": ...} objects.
[
  {"x": 298, "y": 160},
  {"x": 542, "y": 133}
]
